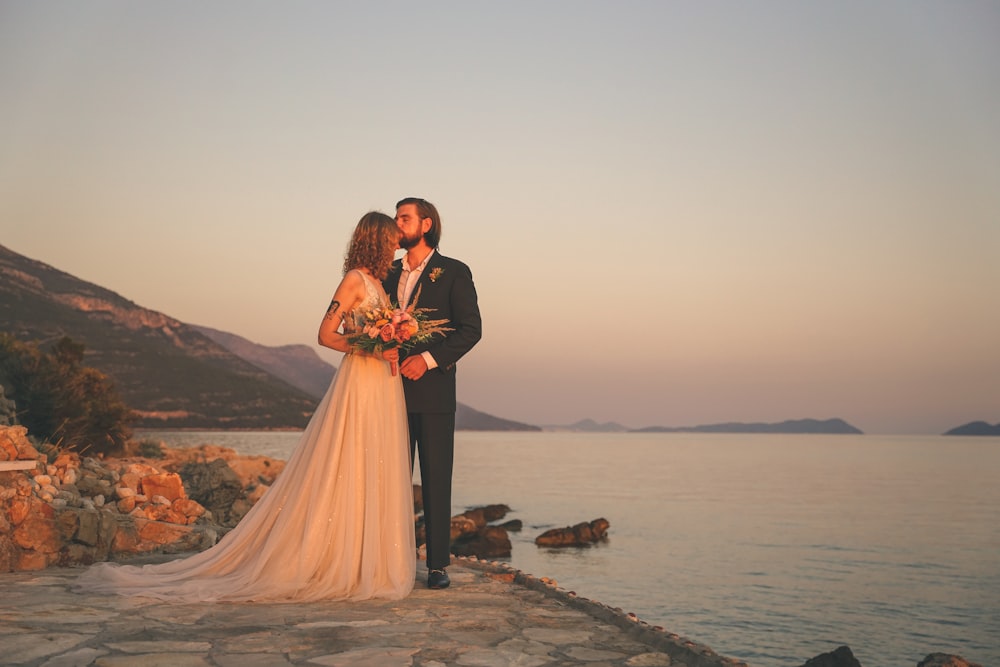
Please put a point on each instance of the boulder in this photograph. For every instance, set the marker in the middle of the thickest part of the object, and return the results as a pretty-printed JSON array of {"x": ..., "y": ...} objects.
[
  {"x": 486, "y": 514},
  {"x": 217, "y": 487},
  {"x": 165, "y": 484},
  {"x": 582, "y": 534},
  {"x": 839, "y": 657},
  {"x": 15, "y": 446},
  {"x": 487, "y": 542},
  {"x": 514, "y": 525},
  {"x": 945, "y": 660}
]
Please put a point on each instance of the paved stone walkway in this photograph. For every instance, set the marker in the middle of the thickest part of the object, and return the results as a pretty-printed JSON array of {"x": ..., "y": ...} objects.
[{"x": 491, "y": 616}]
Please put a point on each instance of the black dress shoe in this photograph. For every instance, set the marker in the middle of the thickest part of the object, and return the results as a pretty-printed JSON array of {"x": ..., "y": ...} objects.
[{"x": 438, "y": 579}]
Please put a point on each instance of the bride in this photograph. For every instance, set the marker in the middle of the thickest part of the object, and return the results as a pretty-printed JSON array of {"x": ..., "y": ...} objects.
[{"x": 338, "y": 521}]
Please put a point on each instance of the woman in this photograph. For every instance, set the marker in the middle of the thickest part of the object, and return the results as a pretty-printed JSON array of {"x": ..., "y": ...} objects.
[{"x": 338, "y": 521}]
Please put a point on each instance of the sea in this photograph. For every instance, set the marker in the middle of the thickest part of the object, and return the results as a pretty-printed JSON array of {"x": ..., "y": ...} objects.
[{"x": 768, "y": 548}]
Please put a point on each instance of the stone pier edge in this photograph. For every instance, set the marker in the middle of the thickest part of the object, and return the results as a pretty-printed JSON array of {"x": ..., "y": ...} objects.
[{"x": 681, "y": 649}]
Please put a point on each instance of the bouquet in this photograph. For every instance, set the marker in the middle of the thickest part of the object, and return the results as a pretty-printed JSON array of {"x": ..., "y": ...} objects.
[{"x": 378, "y": 329}]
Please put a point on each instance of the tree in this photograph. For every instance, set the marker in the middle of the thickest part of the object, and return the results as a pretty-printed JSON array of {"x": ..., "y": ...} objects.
[{"x": 60, "y": 400}]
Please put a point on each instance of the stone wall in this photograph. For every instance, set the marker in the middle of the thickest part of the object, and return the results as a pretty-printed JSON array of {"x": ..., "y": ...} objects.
[{"x": 57, "y": 508}]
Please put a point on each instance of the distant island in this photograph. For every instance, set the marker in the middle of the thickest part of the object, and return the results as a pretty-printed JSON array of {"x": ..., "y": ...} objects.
[
  {"x": 832, "y": 426},
  {"x": 589, "y": 426},
  {"x": 975, "y": 428}
]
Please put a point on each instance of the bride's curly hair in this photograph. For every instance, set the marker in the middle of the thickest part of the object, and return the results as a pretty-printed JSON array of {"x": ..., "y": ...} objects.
[{"x": 373, "y": 244}]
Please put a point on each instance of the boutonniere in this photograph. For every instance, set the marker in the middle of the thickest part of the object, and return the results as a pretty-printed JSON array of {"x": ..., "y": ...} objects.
[{"x": 435, "y": 274}]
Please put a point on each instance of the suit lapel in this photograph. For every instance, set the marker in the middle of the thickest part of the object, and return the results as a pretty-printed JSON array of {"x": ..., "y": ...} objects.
[{"x": 424, "y": 278}]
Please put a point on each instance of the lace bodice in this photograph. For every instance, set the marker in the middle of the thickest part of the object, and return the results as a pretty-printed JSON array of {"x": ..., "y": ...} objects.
[{"x": 374, "y": 296}]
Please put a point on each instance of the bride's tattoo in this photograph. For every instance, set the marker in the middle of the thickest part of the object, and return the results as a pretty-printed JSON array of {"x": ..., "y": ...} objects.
[{"x": 331, "y": 312}]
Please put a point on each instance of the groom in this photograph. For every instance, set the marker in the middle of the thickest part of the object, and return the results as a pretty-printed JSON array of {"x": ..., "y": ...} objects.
[{"x": 444, "y": 285}]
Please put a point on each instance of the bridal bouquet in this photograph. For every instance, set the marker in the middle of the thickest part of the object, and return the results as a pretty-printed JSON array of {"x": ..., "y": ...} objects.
[{"x": 378, "y": 329}]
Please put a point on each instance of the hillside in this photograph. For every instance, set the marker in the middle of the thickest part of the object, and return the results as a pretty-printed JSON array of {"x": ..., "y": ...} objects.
[
  {"x": 301, "y": 367},
  {"x": 175, "y": 375},
  {"x": 298, "y": 365},
  {"x": 168, "y": 371}
]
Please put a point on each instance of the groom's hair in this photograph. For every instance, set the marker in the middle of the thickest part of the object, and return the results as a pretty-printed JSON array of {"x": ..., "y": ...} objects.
[{"x": 425, "y": 209}]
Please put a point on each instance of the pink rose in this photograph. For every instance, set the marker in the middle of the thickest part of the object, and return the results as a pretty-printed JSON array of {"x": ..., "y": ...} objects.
[
  {"x": 403, "y": 334},
  {"x": 387, "y": 332}
]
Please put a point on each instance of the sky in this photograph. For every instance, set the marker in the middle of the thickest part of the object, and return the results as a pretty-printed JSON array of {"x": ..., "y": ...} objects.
[{"x": 676, "y": 213}]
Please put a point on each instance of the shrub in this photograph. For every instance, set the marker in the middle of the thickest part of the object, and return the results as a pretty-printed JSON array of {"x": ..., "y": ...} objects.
[
  {"x": 150, "y": 449},
  {"x": 60, "y": 400}
]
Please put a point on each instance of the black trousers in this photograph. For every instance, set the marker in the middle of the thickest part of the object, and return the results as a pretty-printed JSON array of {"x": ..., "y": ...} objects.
[{"x": 432, "y": 437}]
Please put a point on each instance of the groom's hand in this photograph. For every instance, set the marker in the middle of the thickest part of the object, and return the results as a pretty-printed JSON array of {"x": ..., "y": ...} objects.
[{"x": 413, "y": 368}]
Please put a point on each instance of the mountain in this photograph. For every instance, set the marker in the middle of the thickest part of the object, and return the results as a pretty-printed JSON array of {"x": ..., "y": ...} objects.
[
  {"x": 468, "y": 419},
  {"x": 298, "y": 365},
  {"x": 175, "y": 375},
  {"x": 169, "y": 372},
  {"x": 837, "y": 426},
  {"x": 975, "y": 428},
  {"x": 301, "y": 367},
  {"x": 589, "y": 426}
]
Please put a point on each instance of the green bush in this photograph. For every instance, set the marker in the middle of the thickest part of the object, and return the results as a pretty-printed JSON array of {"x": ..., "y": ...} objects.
[
  {"x": 150, "y": 449},
  {"x": 60, "y": 400}
]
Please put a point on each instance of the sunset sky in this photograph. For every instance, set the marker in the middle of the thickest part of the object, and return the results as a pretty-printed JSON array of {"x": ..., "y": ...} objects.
[{"x": 676, "y": 213}]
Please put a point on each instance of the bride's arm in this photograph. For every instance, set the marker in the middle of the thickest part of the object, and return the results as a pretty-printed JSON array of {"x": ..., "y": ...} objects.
[{"x": 349, "y": 294}]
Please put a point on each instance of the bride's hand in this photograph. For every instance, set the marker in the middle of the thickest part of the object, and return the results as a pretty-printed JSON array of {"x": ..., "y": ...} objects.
[{"x": 392, "y": 356}]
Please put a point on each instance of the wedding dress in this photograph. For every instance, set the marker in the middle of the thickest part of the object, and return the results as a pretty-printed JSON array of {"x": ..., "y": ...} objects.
[{"x": 336, "y": 524}]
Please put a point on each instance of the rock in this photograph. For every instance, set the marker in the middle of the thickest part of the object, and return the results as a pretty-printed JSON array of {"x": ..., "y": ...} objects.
[
  {"x": 471, "y": 534},
  {"x": 55, "y": 513},
  {"x": 463, "y": 527},
  {"x": 173, "y": 538},
  {"x": 190, "y": 509},
  {"x": 167, "y": 485},
  {"x": 946, "y": 660},
  {"x": 39, "y": 534},
  {"x": 484, "y": 515},
  {"x": 488, "y": 542},
  {"x": 15, "y": 446},
  {"x": 840, "y": 657},
  {"x": 216, "y": 487},
  {"x": 582, "y": 534},
  {"x": 126, "y": 505},
  {"x": 514, "y": 525}
]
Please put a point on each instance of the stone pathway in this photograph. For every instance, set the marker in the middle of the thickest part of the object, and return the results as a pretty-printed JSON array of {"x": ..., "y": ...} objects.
[{"x": 492, "y": 616}]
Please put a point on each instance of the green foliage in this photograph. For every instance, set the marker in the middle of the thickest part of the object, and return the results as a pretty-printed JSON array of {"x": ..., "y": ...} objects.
[
  {"x": 150, "y": 449},
  {"x": 60, "y": 400}
]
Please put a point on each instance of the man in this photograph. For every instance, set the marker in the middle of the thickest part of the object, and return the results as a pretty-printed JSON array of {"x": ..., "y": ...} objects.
[{"x": 428, "y": 371}]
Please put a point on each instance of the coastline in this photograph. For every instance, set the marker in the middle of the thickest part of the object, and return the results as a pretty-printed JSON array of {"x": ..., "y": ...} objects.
[{"x": 681, "y": 650}]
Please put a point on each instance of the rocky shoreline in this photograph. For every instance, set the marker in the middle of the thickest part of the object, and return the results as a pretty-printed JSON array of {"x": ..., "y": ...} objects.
[{"x": 60, "y": 509}]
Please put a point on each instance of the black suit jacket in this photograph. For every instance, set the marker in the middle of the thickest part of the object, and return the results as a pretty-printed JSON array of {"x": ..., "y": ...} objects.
[{"x": 446, "y": 286}]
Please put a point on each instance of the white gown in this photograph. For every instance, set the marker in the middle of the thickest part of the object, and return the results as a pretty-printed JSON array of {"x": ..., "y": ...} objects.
[{"x": 336, "y": 524}]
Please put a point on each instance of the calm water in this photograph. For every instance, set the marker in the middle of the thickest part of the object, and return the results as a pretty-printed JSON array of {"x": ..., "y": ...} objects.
[{"x": 768, "y": 548}]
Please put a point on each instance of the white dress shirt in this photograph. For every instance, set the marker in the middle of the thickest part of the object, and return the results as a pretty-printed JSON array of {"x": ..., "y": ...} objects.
[{"x": 407, "y": 283}]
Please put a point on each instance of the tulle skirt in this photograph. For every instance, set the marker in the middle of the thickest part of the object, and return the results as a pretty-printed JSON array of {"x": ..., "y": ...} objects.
[{"x": 336, "y": 524}]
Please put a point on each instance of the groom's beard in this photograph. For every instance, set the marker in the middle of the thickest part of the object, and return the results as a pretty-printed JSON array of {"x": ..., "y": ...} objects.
[{"x": 407, "y": 242}]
